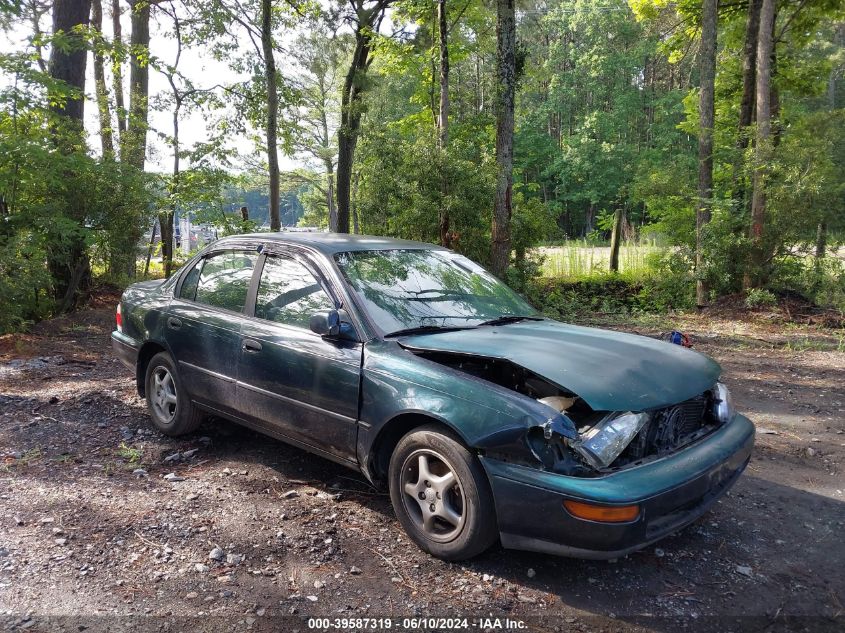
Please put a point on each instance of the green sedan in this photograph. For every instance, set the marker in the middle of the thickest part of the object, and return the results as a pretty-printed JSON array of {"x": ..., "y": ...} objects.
[{"x": 415, "y": 366}]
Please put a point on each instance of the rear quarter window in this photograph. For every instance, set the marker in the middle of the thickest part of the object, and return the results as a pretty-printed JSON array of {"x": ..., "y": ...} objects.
[{"x": 189, "y": 285}]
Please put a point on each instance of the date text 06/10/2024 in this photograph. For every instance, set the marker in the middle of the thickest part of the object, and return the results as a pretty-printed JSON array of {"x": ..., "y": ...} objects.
[{"x": 415, "y": 623}]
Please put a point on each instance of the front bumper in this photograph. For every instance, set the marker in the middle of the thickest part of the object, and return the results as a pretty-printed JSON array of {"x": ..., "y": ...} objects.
[
  {"x": 672, "y": 492},
  {"x": 125, "y": 348}
]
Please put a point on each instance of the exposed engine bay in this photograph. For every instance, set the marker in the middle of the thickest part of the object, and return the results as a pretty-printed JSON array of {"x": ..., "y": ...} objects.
[
  {"x": 606, "y": 441},
  {"x": 500, "y": 372}
]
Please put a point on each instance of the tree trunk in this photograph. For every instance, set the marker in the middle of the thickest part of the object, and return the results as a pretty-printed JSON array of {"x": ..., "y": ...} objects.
[
  {"x": 479, "y": 95},
  {"x": 821, "y": 229},
  {"x": 327, "y": 161},
  {"x": 100, "y": 81},
  {"x": 443, "y": 121},
  {"x": 742, "y": 201},
  {"x": 754, "y": 275},
  {"x": 367, "y": 25},
  {"x": 117, "y": 70},
  {"x": 271, "y": 78},
  {"x": 443, "y": 118},
  {"x": 150, "y": 249},
  {"x": 72, "y": 275},
  {"x": 69, "y": 265},
  {"x": 67, "y": 64},
  {"x": 134, "y": 150},
  {"x": 345, "y": 153},
  {"x": 166, "y": 219},
  {"x": 432, "y": 85},
  {"x": 616, "y": 239},
  {"x": 821, "y": 240},
  {"x": 706, "y": 116},
  {"x": 774, "y": 105},
  {"x": 350, "y": 122},
  {"x": 505, "y": 91},
  {"x": 589, "y": 218},
  {"x": 329, "y": 169},
  {"x": 749, "y": 71},
  {"x": 356, "y": 225}
]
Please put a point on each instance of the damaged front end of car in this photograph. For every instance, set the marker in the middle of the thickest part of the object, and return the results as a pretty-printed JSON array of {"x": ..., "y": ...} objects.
[
  {"x": 561, "y": 433},
  {"x": 612, "y": 440}
]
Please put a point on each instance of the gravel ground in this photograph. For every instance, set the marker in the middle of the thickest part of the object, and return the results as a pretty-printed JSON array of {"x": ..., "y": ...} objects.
[{"x": 103, "y": 520}]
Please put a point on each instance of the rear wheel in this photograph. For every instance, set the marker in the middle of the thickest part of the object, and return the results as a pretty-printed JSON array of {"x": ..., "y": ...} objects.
[
  {"x": 441, "y": 495},
  {"x": 171, "y": 410}
]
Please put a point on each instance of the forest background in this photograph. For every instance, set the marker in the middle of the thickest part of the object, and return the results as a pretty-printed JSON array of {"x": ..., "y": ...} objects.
[{"x": 626, "y": 157}]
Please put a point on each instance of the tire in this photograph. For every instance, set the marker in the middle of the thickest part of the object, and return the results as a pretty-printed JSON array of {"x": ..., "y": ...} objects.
[
  {"x": 171, "y": 410},
  {"x": 431, "y": 468}
]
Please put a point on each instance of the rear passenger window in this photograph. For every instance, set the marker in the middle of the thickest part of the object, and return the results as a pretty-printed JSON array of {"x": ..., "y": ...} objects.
[
  {"x": 223, "y": 280},
  {"x": 288, "y": 293}
]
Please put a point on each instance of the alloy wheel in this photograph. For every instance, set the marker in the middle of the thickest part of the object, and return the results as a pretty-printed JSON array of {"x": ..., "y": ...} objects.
[
  {"x": 164, "y": 395},
  {"x": 433, "y": 496}
]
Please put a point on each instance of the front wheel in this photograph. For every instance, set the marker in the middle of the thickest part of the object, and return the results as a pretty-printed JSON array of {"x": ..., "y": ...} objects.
[
  {"x": 441, "y": 495},
  {"x": 171, "y": 410}
]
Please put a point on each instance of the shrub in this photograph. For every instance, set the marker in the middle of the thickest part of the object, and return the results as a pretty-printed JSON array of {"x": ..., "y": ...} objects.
[
  {"x": 611, "y": 294},
  {"x": 759, "y": 298},
  {"x": 24, "y": 281}
]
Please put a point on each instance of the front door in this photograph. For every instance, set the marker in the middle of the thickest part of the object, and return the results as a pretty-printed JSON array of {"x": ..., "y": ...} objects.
[
  {"x": 300, "y": 384},
  {"x": 203, "y": 326}
]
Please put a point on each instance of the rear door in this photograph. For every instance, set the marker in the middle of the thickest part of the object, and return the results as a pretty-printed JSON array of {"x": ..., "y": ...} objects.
[
  {"x": 203, "y": 325},
  {"x": 301, "y": 385}
]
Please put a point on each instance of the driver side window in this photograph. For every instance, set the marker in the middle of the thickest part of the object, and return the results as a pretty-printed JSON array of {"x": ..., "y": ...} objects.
[{"x": 288, "y": 293}]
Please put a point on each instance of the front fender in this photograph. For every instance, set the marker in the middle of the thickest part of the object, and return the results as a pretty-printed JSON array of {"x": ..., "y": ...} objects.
[{"x": 395, "y": 382}]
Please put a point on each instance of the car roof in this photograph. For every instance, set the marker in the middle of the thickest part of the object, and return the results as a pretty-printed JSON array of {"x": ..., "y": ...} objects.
[{"x": 331, "y": 243}]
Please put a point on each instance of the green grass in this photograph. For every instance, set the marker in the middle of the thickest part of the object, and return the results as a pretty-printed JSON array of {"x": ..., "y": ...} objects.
[
  {"x": 578, "y": 259},
  {"x": 131, "y": 455},
  {"x": 815, "y": 344},
  {"x": 156, "y": 269}
]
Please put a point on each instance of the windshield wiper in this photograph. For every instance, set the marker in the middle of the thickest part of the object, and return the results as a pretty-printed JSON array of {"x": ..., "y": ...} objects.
[
  {"x": 510, "y": 318},
  {"x": 427, "y": 329}
]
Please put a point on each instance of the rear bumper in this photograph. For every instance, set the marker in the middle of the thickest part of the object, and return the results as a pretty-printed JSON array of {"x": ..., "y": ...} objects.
[
  {"x": 672, "y": 492},
  {"x": 125, "y": 348}
]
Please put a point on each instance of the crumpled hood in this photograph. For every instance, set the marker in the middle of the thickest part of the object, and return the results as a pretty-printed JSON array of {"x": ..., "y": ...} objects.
[{"x": 610, "y": 370}]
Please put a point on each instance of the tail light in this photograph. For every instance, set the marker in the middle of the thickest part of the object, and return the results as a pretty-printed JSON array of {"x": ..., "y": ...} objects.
[{"x": 118, "y": 317}]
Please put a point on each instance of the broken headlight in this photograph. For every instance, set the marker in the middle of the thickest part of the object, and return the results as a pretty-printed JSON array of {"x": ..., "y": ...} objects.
[
  {"x": 605, "y": 441},
  {"x": 723, "y": 408}
]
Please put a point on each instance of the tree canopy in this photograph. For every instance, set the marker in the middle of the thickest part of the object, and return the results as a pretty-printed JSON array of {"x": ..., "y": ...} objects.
[{"x": 717, "y": 129}]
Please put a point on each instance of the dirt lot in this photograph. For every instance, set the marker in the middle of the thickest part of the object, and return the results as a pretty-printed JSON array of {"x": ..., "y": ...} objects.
[{"x": 247, "y": 529}]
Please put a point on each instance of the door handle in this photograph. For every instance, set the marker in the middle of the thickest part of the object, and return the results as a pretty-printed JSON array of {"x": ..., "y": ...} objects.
[
  {"x": 174, "y": 323},
  {"x": 251, "y": 346}
]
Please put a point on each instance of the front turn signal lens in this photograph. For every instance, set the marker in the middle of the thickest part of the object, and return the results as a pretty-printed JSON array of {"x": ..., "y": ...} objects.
[{"x": 602, "y": 514}]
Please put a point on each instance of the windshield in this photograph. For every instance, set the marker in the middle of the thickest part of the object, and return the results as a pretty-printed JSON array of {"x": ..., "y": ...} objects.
[{"x": 406, "y": 289}]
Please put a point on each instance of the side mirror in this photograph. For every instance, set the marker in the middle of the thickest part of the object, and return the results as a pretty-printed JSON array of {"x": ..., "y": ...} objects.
[{"x": 325, "y": 323}]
